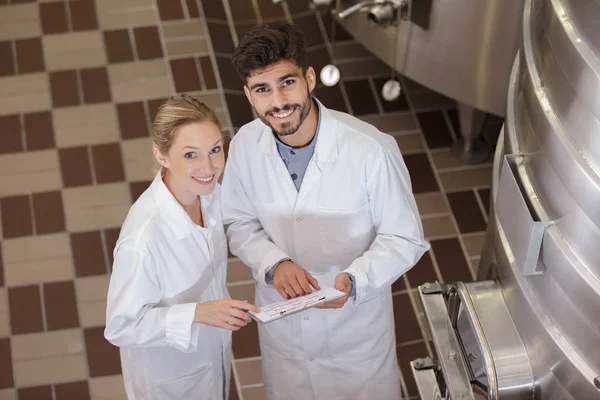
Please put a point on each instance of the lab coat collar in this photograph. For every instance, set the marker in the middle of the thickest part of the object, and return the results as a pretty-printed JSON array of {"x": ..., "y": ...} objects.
[
  {"x": 173, "y": 214},
  {"x": 326, "y": 148}
]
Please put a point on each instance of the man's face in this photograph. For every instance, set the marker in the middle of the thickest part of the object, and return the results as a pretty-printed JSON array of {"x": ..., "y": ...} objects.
[{"x": 280, "y": 94}]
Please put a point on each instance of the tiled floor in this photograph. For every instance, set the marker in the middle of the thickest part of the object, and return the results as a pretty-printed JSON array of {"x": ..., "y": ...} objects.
[{"x": 80, "y": 81}]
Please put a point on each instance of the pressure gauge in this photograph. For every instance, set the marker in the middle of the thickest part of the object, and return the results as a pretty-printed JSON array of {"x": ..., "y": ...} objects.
[
  {"x": 391, "y": 90},
  {"x": 330, "y": 75}
]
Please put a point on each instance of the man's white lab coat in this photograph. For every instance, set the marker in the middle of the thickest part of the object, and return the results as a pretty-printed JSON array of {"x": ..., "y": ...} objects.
[
  {"x": 355, "y": 212},
  {"x": 164, "y": 265}
]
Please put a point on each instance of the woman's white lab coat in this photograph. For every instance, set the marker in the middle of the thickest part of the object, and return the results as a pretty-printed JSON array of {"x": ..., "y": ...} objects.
[
  {"x": 164, "y": 264},
  {"x": 355, "y": 212}
]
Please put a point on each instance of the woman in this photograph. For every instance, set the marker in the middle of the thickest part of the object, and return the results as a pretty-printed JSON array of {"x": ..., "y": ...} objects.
[{"x": 168, "y": 307}]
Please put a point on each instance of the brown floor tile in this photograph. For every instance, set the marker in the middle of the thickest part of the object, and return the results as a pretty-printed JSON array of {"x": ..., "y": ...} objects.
[
  {"x": 318, "y": 58},
  {"x": 185, "y": 75},
  {"x": 170, "y": 9},
  {"x": 484, "y": 194},
  {"x": 75, "y": 166},
  {"x": 331, "y": 97},
  {"x": 453, "y": 116},
  {"x": 229, "y": 76},
  {"x": 108, "y": 163},
  {"x": 451, "y": 260},
  {"x": 363, "y": 68},
  {"x": 96, "y": 88},
  {"x": 25, "y": 309},
  {"x": 110, "y": 237},
  {"x": 361, "y": 97},
  {"x": 310, "y": 27},
  {"x": 1, "y": 269},
  {"x": 466, "y": 211},
  {"x": 153, "y": 108},
  {"x": 147, "y": 42},
  {"x": 241, "y": 28},
  {"x": 399, "y": 285},
  {"x": 399, "y": 104},
  {"x": 132, "y": 120},
  {"x": 406, "y": 354},
  {"x": 435, "y": 129},
  {"x": 49, "y": 212},
  {"x": 192, "y": 8},
  {"x": 297, "y": 7},
  {"x": 7, "y": 66},
  {"x": 270, "y": 11},
  {"x": 421, "y": 173},
  {"x": 214, "y": 10},
  {"x": 233, "y": 394},
  {"x": 65, "y": 91},
  {"x": 137, "y": 188},
  {"x": 207, "y": 72},
  {"x": 118, "y": 46},
  {"x": 422, "y": 272},
  {"x": 83, "y": 15},
  {"x": 103, "y": 357},
  {"x": 29, "y": 55},
  {"x": 245, "y": 342},
  {"x": 54, "y": 17},
  {"x": 12, "y": 141},
  {"x": 6, "y": 368},
  {"x": 88, "y": 254},
  {"x": 346, "y": 50},
  {"x": 16, "y": 216},
  {"x": 241, "y": 10},
  {"x": 72, "y": 391},
  {"x": 341, "y": 34},
  {"x": 428, "y": 99},
  {"x": 220, "y": 37},
  {"x": 39, "y": 133},
  {"x": 36, "y": 393},
  {"x": 61, "y": 307},
  {"x": 239, "y": 109},
  {"x": 407, "y": 328}
]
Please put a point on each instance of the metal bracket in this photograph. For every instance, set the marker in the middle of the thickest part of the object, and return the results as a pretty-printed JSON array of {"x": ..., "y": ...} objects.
[
  {"x": 425, "y": 363},
  {"x": 434, "y": 288}
]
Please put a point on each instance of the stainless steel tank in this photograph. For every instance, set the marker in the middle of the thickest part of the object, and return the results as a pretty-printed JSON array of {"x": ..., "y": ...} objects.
[
  {"x": 463, "y": 49},
  {"x": 532, "y": 329}
]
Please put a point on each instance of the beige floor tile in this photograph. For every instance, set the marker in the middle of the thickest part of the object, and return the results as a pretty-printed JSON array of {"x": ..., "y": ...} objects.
[
  {"x": 113, "y": 14},
  {"x": 78, "y": 126},
  {"x": 140, "y": 80},
  {"x": 396, "y": 122},
  {"x": 74, "y": 50},
  {"x": 107, "y": 388},
  {"x": 30, "y": 172},
  {"x": 467, "y": 179},
  {"x": 19, "y": 22},
  {"x": 47, "y": 344},
  {"x": 443, "y": 159},
  {"x": 431, "y": 203},
  {"x": 249, "y": 372},
  {"x": 474, "y": 243},
  {"x": 182, "y": 29},
  {"x": 8, "y": 394},
  {"x": 193, "y": 45},
  {"x": 411, "y": 143},
  {"x": 242, "y": 292},
  {"x": 438, "y": 226},
  {"x": 238, "y": 271},
  {"x": 50, "y": 370},
  {"x": 211, "y": 99},
  {"x": 92, "y": 288},
  {"x": 138, "y": 159},
  {"x": 96, "y": 207},
  {"x": 37, "y": 259},
  {"x": 255, "y": 393},
  {"x": 24, "y": 93},
  {"x": 4, "y": 317},
  {"x": 93, "y": 313}
]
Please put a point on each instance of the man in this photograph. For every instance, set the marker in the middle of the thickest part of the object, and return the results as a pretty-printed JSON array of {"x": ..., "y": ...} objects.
[{"x": 317, "y": 197}]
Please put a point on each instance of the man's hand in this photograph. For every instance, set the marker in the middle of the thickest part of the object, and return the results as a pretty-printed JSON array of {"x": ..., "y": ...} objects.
[
  {"x": 291, "y": 280},
  {"x": 344, "y": 284}
]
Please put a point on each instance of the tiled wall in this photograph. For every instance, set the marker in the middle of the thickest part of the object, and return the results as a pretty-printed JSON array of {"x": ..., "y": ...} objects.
[{"x": 80, "y": 81}]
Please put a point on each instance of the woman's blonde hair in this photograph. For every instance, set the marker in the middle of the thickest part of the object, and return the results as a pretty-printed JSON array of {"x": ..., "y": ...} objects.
[{"x": 175, "y": 112}]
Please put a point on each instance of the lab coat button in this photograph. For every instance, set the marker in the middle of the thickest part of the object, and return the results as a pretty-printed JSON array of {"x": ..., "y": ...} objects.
[
  {"x": 312, "y": 359},
  {"x": 306, "y": 318},
  {"x": 298, "y": 219}
]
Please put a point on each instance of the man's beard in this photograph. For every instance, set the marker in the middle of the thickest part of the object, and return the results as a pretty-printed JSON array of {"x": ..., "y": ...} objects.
[{"x": 289, "y": 128}]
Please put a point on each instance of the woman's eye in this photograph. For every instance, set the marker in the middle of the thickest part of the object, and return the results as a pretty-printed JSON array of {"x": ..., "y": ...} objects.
[
  {"x": 190, "y": 155},
  {"x": 216, "y": 150}
]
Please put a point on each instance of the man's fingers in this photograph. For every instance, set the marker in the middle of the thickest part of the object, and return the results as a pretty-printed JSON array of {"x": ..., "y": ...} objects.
[{"x": 313, "y": 282}]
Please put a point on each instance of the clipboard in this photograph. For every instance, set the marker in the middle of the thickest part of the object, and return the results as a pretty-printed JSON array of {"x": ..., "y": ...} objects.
[{"x": 281, "y": 309}]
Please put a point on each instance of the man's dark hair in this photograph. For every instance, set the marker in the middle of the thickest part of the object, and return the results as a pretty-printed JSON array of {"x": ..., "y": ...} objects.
[{"x": 266, "y": 44}]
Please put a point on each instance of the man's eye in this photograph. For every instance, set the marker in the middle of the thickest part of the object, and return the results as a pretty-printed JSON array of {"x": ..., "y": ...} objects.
[
  {"x": 261, "y": 90},
  {"x": 288, "y": 82}
]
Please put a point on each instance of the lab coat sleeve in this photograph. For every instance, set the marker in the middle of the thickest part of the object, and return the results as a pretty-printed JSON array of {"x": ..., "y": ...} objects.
[
  {"x": 399, "y": 241},
  {"x": 133, "y": 318},
  {"x": 247, "y": 238}
]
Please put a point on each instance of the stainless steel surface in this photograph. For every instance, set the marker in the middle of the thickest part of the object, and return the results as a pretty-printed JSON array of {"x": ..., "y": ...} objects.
[
  {"x": 424, "y": 373},
  {"x": 462, "y": 49}
]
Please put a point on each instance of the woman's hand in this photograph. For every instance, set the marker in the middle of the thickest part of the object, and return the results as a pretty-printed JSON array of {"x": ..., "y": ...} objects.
[{"x": 225, "y": 313}]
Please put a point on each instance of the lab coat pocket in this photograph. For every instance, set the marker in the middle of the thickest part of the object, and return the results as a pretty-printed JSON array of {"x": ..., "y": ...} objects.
[
  {"x": 198, "y": 385},
  {"x": 345, "y": 234}
]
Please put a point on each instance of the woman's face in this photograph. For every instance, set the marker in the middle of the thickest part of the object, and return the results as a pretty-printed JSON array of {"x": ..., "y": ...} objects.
[{"x": 195, "y": 160}]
